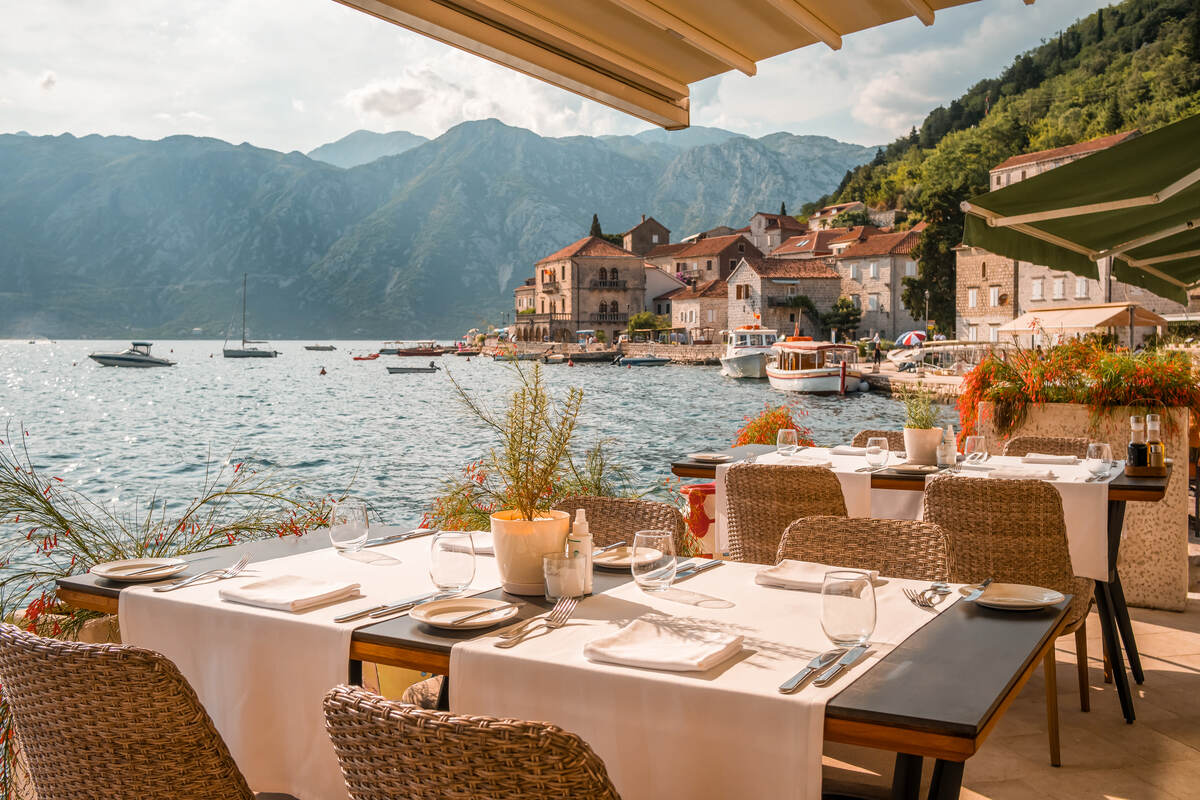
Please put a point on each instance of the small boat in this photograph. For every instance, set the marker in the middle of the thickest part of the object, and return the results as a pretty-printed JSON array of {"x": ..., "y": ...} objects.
[
  {"x": 371, "y": 357},
  {"x": 406, "y": 370},
  {"x": 643, "y": 361},
  {"x": 466, "y": 351},
  {"x": 138, "y": 355},
  {"x": 554, "y": 358},
  {"x": 802, "y": 365},
  {"x": 244, "y": 351},
  {"x": 516, "y": 356},
  {"x": 747, "y": 352},
  {"x": 324, "y": 348},
  {"x": 423, "y": 348}
]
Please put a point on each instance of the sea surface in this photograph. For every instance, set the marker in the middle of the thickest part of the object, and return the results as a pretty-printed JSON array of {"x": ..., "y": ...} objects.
[{"x": 123, "y": 435}]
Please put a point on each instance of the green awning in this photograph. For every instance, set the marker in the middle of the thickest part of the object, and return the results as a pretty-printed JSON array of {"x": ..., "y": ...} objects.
[{"x": 1138, "y": 201}]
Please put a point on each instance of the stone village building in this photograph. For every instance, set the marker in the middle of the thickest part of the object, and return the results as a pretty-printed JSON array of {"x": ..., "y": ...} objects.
[
  {"x": 768, "y": 231},
  {"x": 645, "y": 236},
  {"x": 699, "y": 312},
  {"x": 766, "y": 291},
  {"x": 711, "y": 258},
  {"x": 872, "y": 273}
]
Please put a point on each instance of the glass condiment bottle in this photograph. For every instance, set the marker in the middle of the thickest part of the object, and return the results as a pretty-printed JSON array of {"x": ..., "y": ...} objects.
[
  {"x": 1156, "y": 453},
  {"x": 1137, "y": 455},
  {"x": 947, "y": 454}
]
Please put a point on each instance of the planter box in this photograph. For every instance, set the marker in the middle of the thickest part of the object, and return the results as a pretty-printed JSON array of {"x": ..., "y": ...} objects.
[{"x": 1154, "y": 552}]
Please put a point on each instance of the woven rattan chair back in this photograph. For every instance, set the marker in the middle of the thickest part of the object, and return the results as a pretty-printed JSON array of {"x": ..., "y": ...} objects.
[
  {"x": 895, "y": 547},
  {"x": 895, "y": 439},
  {"x": 111, "y": 722},
  {"x": 1047, "y": 445},
  {"x": 1011, "y": 531},
  {"x": 390, "y": 751},
  {"x": 613, "y": 519},
  {"x": 764, "y": 499}
]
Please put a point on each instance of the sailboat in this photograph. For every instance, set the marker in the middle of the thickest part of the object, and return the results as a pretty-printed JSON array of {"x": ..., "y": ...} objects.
[{"x": 244, "y": 351}]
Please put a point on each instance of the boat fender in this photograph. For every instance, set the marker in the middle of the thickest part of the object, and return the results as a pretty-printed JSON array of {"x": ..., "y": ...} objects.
[{"x": 864, "y": 386}]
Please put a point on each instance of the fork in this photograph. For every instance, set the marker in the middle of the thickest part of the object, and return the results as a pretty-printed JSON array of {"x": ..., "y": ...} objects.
[
  {"x": 522, "y": 627},
  {"x": 231, "y": 571},
  {"x": 918, "y": 599},
  {"x": 561, "y": 612}
]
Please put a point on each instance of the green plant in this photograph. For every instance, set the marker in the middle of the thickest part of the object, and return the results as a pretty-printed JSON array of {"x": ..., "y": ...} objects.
[
  {"x": 763, "y": 428},
  {"x": 601, "y": 336},
  {"x": 845, "y": 317},
  {"x": 647, "y": 320},
  {"x": 920, "y": 409}
]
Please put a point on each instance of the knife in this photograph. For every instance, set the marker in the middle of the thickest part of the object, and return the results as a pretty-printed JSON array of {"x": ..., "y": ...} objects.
[
  {"x": 399, "y": 537},
  {"x": 852, "y": 655},
  {"x": 690, "y": 570},
  {"x": 977, "y": 592},
  {"x": 820, "y": 662},
  {"x": 403, "y": 605}
]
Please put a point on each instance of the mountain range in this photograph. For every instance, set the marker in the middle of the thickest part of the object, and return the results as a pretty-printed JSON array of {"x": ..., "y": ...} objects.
[{"x": 376, "y": 235}]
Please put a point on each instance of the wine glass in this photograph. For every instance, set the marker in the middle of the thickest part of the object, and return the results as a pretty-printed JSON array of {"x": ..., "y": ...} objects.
[
  {"x": 452, "y": 560},
  {"x": 975, "y": 448},
  {"x": 877, "y": 451},
  {"x": 348, "y": 524},
  {"x": 786, "y": 442},
  {"x": 653, "y": 563},
  {"x": 1098, "y": 460},
  {"x": 847, "y": 607}
]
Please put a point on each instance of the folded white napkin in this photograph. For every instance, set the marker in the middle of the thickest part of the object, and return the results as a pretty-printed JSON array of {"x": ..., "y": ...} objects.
[
  {"x": 644, "y": 644},
  {"x": 803, "y": 576},
  {"x": 978, "y": 465},
  {"x": 1019, "y": 474},
  {"x": 290, "y": 592},
  {"x": 480, "y": 540},
  {"x": 1046, "y": 458},
  {"x": 848, "y": 450}
]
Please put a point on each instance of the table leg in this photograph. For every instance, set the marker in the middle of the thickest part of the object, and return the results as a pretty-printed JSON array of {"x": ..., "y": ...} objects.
[
  {"x": 1125, "y": 627},
  {"x": 443, "y": 701},
  {"x": 906, "y": 778},
  {"x": 947, "y": 780},
  {"x": 1108, "y": 628},
  {"x": 354, "y": 677}
]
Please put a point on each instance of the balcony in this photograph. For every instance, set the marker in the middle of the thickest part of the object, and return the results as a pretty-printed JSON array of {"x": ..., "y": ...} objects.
[
  {"x": 540, "y": 319},
  {"x": 606, "y": 284},
  {"x": 550, "y": 287},
  {"x": 618, "y": 317}
]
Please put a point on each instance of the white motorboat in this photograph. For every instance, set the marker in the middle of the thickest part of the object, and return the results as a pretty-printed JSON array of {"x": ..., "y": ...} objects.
[
  {"x": 802, "y": 365},
  {"x": 138, "y": 355},
  {"x": 747, "y": 352},
  {"x": 244, "y": 351}
]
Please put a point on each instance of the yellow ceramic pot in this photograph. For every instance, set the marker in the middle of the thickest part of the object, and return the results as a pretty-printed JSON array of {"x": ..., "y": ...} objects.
[{"x": 521, "y": 543}]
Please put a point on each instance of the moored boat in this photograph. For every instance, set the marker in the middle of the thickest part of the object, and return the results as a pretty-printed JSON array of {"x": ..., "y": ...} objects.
[
  {"x": 324, "y": 348},
  {"x": 643, "y": 361},
  {"x": 747, "y": 352},
  {"x": 466, "y": 351},
  {"x": 370, "y": 357},
  {"x": 406, "y": 370},
  {"x": 802, "y": 365},
  {"x": 138, "y": 355},
  {"x": 245, "y": 351},
  {"x": 421, "y": 348}
]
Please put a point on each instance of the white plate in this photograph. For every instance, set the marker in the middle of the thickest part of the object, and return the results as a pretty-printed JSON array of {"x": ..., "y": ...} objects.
[
  {"x": 622, "y": 558},
  {"x": 712, "y": 458},
  {"x": 119, "y": 570},
  {"x": 440, "y": 613},
  {"x": 1018, "y": 597}
]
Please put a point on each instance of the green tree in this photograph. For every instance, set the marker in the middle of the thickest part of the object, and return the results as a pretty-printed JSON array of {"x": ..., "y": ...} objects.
[
  {"x": 647, "y": 320},
  {"x": 934, "y": 254},
  {"x": 844, "y": 316},
  {"x": 848, "y": 219},
  {"x": 783, "y": 209},
  {"x": 595, "y": 231},
  {"x": 1112, "y": 116}
]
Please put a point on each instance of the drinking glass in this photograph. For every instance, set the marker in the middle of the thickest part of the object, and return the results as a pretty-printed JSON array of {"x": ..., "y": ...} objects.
[
  {"x": 847, "y": 607},
  {"x": 348, "y": 524},
  {"x": 1099, "y": 459},
  {"x": 564, "y": 575},
  {"x": 452, "y": 560},
  {"x": 974, "y": 448},
  {"x": 653, "y": 564},
  {"x": 877, "y": 451},
  {"x": 786, "y": 442}
]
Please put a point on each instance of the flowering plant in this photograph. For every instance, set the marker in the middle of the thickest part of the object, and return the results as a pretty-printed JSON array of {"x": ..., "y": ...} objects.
[{"x": 763, "y": 428}]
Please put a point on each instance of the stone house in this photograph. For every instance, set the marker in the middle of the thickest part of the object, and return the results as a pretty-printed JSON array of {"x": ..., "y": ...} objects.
[
  {"x": 590, "y": 284},
  {"x": 645, "y": 236},
  {"x": 822, "y": 218},
  {"x": 659, "y": 284},
  {"x": 524, "y": 296},
  {"x": 663, "y": 255},
  {"x": 852, "y": 236},
  {"x": 712, "y": 257},
  {"x": 768, "y": 231},
  {"x": 872, "y": 273},
  {"x": 767, "y": 292},
  {"x": 700, "y": 312},
  {"x": 813, "y": 244},
  {"x": 987, "y": 296}
]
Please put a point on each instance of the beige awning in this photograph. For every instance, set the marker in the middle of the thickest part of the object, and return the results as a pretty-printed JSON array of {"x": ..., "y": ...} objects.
[
  {"x": 639, "y": 56},
  {"x": 1083, "y": 318}
]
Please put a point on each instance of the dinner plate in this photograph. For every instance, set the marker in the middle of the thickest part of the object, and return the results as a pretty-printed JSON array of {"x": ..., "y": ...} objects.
[
  {"x": 441, "y": 613},
  {"x": 622, "y": 558},
  {"x": 119, "y": 570},
  {"x": 713, "y": 458},
  {"x": 1018, "y": 597}
]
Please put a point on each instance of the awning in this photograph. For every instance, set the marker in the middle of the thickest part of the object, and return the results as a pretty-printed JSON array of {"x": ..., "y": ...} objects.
[
  {"x": 1138, "y": 202},
  {"x": 1083, "y": 318},
  {"x": 639, "y": 56}
]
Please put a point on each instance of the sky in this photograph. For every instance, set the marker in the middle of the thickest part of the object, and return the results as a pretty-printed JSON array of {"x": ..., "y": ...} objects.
[{"x": 294, "y": 74}]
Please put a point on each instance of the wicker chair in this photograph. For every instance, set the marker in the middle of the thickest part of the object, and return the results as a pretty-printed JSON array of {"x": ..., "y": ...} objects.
[
  {"x": 611, "y": 519},
  {"x": 390, "y": 751},
  {"x": 111, "y": 722},
  {"x": 1048, "y": 445},
  {"x": 895, "y": 547},
  {"x": 895, "y": 439},
  {"x": 1013, "y": 532},
  {"x": 764, "y": 499}
]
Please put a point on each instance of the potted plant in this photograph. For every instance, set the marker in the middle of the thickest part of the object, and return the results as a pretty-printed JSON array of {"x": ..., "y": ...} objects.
[{"x": 921, "y": 431}]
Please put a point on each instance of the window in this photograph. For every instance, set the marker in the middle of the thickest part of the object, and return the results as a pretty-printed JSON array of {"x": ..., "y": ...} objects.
[
  {"x": 1060, "y": 289},
  {"x": 972, "y": 333},
  {"x": 983, "y": 270},
  {"x": 791, "y": 317},
  {"x": 997, "y": 181},
  {"x": 732, "y": 263},
  {"x": 612, "y": 275},
  {"x": 874, "y": 270},
  {"x": 910, "y": 269},
  {"x": 603, "y": 274},
  {"x": 972, "y": 298},
  {"x": 858, "y": 301},
  {"x": 563, "y": 272},
  {"x": 993, "y": 295},
  {"x": 873, "y": 303},
  {"x": 1022, "y": 174},
  {"x": 993, "y": 333},
  {"x": 1037, "y": 289},
  {"x": 1081, "y": 288},
  {"x": 854, "y": 272},
  {"x": 741, "y": 247},
  {"x": 712, "y": 315},
  {"x": 708, "y": 265},
  {"x": 603, "y": 307},
  {"x": 543, "y": 305},
  {"x": 654, "y": 238}
]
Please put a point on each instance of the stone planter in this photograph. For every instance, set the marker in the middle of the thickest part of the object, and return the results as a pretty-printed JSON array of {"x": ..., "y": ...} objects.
[
  {"x": 920, "y": 445},
  {"x": 520, "y": 545},
  {"x": 1154, "y": 553}
]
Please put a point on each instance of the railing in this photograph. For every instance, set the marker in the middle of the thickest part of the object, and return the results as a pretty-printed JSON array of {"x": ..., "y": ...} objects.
[
  {"x": 606, "y": 284},
  {"x": 550, "y": 286},
  {"x": 537, "y": 319},
  {"x": 609, "y": 317}
]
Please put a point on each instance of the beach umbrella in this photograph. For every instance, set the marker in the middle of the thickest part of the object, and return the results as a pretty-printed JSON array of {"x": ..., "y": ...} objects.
[
  {"x": 910, "y": 339},
  {"x": 1137, "y": 203}
]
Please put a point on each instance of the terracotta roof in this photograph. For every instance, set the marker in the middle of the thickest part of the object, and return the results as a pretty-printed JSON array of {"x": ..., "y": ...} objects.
[
  {"x": 1078, "y": 149},
  {"x": 791, "y": 267},
  {"x": 587, "y": 246},
  {"x": 711, "y": 290},
  {"x": 712, "y": 245},
  {"x": 645, "y": 220},
  {"x": 783, "y": 221},
  {"x": 883, "y": 244},
  {"x": 812, "y": 243},
  {"x": 660, "y": 250},
  {"x": 835, "y": 209},
  {"x": 856, "y": 234}
]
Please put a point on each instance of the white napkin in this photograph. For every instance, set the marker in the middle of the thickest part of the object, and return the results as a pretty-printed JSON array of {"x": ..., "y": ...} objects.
[
  {"x": 290, "y": 592},
  {"x": 803, "y": 576},
  {"x": 480, "y": 540},
  {"x": 978, "y": 465},
  {"x": 848, "y": 450},
  {"x": 1019, "y": 474},
  {"x": 1046, "y": 458},
  {"x": 805, "y": 461},
  {"x": 644, "y": 644}
]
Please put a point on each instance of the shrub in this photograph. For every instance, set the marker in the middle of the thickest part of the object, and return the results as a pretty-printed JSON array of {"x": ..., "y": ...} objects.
[{"x": 763, "y": 428}]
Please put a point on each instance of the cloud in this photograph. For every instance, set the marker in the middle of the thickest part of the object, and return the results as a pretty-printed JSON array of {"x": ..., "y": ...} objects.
[{"x": 49, "y": 79}]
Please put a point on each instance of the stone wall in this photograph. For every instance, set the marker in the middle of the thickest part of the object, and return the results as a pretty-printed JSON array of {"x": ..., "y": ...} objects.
[
  {"x": 680, "y": 353},
  {"x": 980, "y": 270}
]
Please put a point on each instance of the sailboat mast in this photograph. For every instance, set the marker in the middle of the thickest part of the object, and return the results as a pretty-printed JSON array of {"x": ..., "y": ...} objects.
[{"x": 243, "y": 310}]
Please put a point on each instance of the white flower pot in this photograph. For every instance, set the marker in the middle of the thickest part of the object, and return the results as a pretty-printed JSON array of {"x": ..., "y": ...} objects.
[
  {"x": 920, "y": 445},
  {"x": 520, "y": 545}
]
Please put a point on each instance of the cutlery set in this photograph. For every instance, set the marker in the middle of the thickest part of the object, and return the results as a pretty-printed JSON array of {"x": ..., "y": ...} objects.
[
  {"x": 399, "y": 537},
  {"x": 691, "y": 569},
  {"x": 220, "y": 574},
  {"x": 558, "y": 617},
  {"x": 844, "y": 658},
  {"x": 389, "y": 609}
]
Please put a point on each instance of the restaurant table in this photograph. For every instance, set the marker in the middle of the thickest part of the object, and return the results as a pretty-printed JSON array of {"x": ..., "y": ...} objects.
[
  {"x": 1111, "y": 608},
  {"x": 937, "y": 695}
]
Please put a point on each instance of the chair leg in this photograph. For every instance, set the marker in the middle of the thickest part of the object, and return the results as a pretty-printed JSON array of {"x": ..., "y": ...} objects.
[
  {"x": 1081, "y": 662},
  {"x": 1107, "y": 664},
  {"x": 1050, "y": 668}
]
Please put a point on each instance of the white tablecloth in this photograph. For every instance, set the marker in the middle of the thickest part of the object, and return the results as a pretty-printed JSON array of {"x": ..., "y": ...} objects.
[
  {"x": 725, "y": 733},
  {"x": 261, "y": 674}
]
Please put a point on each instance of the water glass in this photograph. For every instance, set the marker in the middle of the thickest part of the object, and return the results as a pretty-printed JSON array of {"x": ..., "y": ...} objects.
[
  {"x": 653, "y": 564},
  {"x": 564, "y": 575},
  {"x": 877, "y": 451},
  {"x": 452, "y": 560},
  {"x": 348, "y": 524},
  {"x": 1099, "y": 459},
  {"x": 786, "y": 442},
  {"x": 974, "y": 448},
  {"x": 847, "y": 607}
]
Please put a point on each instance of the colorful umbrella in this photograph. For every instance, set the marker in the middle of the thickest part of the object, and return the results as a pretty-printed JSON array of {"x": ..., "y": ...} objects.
[{"x": 911, "y": 339}]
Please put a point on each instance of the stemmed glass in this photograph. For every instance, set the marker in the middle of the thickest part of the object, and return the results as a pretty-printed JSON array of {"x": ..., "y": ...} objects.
[
  {"x": 975, "y": 448},
  {"x": 452, "y": 560},
  {"x": 847, "y": 607},
  {"x": 877, "y": 451},
  {"x": 653, "y": 563},
  {"x": 348, "y": 524},
  {"x": 1098, "y": 460},
  {"x": 786, "y": 442}
]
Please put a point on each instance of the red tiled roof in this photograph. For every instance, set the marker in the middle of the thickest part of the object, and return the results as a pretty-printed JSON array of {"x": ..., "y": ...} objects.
[
  {"x": 883, "y": 244},
  {"x": 856, "y": 234},
  {"x": 835, "y": 209},
  {"x": 783, "y": 221},
  {"x": 813, "y": 242},
  {"x": 711, "y": 290},
  {"x": 587, "y": 246},
  {"x": 791, "y": 267},
  {"x": 713, "y": 245},
  {"x": 1077, "y": 149},
  {"x": 660, "y": 250}
]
